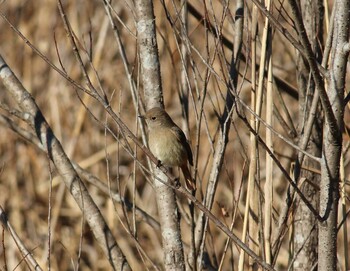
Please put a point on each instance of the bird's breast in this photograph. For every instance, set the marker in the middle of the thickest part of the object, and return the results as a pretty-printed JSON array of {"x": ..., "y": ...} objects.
[{"x": 166, "y": 147}]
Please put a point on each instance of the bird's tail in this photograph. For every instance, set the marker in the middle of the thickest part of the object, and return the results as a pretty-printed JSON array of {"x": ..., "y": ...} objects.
[{"x": 190, "y": 183}]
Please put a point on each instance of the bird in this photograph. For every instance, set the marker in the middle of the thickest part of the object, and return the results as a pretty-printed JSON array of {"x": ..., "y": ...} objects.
[{"x": 168, "y": 143}]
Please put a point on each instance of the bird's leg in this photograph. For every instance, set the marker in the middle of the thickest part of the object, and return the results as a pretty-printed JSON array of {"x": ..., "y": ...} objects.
[
  {"x": 159, "y": 164},
  {"x": 177, "y": 183}
]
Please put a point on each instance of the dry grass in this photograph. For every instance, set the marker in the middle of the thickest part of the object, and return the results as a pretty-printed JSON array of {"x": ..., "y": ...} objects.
[{"x": 26, "y": 173}]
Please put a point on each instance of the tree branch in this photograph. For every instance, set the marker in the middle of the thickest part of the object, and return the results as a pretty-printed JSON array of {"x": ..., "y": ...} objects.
[{"x": 70, "y": 177}]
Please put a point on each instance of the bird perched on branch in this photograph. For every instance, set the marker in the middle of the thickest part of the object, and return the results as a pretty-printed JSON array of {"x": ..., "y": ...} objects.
[{"x": 168, "y": 143}]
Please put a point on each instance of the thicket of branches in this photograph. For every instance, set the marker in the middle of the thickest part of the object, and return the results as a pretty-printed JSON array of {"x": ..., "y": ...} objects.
[{"x": 258, "y": 89}]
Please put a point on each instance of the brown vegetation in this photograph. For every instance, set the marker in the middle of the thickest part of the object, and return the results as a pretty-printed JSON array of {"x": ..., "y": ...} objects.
[{"x": 39, "y": 205}]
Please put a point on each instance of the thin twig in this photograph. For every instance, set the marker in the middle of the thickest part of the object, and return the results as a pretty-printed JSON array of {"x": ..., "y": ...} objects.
[{"x": 27, "y": 255}]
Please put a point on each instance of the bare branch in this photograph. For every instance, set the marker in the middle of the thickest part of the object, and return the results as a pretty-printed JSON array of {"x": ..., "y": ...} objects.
[
  {"x": 72, "y": 180},
  {"x": 26, "y": 254}
]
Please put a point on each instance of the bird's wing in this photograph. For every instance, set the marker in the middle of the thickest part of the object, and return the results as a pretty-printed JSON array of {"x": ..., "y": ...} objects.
[
  {"x": 182, "y": 138},
  {"x": 189, "y": 152}
]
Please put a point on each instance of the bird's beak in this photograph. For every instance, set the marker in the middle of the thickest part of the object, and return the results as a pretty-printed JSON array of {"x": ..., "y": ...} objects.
[{"x": 141, "y": 116}]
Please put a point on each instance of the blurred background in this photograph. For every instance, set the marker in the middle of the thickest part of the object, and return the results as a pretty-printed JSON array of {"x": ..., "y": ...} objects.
[{"x": 79, "y": 123}]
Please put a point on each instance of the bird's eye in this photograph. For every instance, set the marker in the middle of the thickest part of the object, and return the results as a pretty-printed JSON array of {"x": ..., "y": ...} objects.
[{"x": 153, "y": 118}]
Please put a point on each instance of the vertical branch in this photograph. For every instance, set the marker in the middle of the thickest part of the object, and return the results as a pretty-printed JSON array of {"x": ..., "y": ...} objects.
[
  {"x": 252, "y": 184},
  {"x": 251, "y": 208},
  {"x": 148, "y": 48},
  {"x": 191, "y": 259},
  {"x": 225, "y": 128},
  {"x": 152, "y": 88},
  {"x": 269, "y": 164},
  {"x": 307, "y": 126},
  {"x": 184, "y": 52},
  {"x": 253, "y": 166},
  {"x": 343, "y": 212},
  {"x": 311, "y": 60},
  {"x": 126, "y": 65},
  {"x": 310, "y": 138},
  {"x": 332, "y": 143}
]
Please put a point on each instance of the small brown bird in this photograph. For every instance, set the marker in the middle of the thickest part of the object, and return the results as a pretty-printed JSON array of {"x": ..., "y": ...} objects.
[{"x": 168, "y": 143}]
